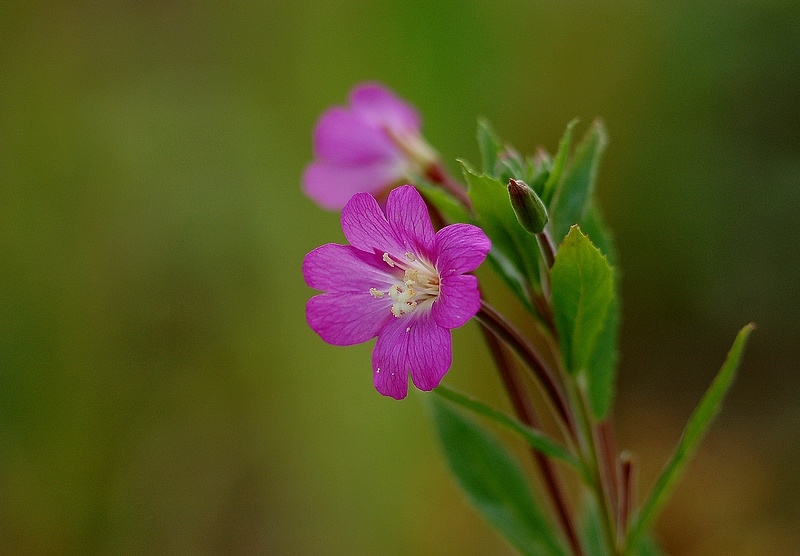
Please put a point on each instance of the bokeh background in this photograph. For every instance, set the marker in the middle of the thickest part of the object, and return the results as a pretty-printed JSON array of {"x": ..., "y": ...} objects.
[{"x": 160, "y": 392}]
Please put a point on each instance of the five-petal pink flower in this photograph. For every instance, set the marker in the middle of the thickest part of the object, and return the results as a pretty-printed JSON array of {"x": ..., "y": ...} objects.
[
  {"x": 371, "y": 145},
  {"x": 397, "y": 280}
]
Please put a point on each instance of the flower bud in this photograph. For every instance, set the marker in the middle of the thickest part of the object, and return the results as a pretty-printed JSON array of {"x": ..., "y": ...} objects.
[{"x": 528, "y": 207}]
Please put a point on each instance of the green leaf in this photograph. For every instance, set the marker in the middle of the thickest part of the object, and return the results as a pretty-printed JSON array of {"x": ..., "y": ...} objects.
[
  {"x": 559, "y": 163},
  {"x": 582, "y": 284},
  {"x": 602, "y": 365},
  {"x": 695, "y": 429},
  {"x": 536, "y": 439},
  {"x": 493, "y": 482},
  {"x": 447, "y": 205},
  {"x": 593, "y": 225},
  {"x": 515, "y": 251},
  {"x": 573, "y": 195},
  {"x": 489, "y": 145}
]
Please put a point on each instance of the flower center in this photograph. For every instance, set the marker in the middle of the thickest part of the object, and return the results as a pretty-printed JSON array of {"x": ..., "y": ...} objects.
[{"x": 419, "y": 288}]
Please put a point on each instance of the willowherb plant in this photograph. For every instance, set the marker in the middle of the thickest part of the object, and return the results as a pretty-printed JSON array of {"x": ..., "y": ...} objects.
[{"x": 405, "y": 279}]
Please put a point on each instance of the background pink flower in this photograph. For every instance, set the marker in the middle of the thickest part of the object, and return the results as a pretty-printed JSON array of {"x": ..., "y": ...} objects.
[
  {"x": 399, "y": 281},
  {"x": 371, "y": 145}
]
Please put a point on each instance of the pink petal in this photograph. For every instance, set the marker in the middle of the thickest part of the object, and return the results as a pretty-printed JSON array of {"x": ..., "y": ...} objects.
[
  {"x": 343, "y": 268},
  {"x": 458, "y": 301},
  {"x": 331, "y": 185},
  {"x": 460, "y": 248},
  {"x": 409, "y": 218},
  {"x": 344, "y": 319},
  {"x": 345, "y": 137},
  {"x": 415, "y": 345},
  {"x": 379, "y": 105},
  {"x": 365, "y": 227}
]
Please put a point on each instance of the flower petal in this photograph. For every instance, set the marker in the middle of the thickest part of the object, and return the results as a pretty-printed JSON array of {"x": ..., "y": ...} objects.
[
  {"x": 346, "y": 137},
  {"x": 365, "y": 226},
  {"x": 380, "y": 106},
  {"x": 460, "y": 248},
  {"x": 344, "y": 268},
  {"x": 409, "y": 218},
  {"x": 458, "y": 301},
  {"x": 331, "y": 185},
  {"x": 345, "y": 319},
  {"x": 410, "y": 345}
]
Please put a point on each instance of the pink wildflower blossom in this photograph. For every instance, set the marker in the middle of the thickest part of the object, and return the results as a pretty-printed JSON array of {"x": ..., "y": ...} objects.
[
  {"x": 399, "y": 281},
  {"x": 371, "y": 145}
]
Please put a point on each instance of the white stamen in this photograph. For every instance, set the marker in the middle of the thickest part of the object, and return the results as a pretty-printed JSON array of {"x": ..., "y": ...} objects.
[{"x": 419, "y": 286}]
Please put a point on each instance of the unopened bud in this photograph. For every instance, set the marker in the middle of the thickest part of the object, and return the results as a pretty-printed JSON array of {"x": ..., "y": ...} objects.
[{"x": 528, "y": 207}]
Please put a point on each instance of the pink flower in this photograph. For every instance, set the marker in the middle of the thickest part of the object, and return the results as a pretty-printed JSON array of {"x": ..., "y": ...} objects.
[
  {"x": 399, "y": 281},
  {"x": 371, "y": 145}
]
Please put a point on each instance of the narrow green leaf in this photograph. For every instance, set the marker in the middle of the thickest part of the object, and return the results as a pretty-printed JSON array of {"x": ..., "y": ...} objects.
[
  {"x": 558, "y": 164},
  {"x": 593, "y": 225},
  {"x": 512, "y": 165},
  {"x": 511, "y": 244},
  {"x": 582, "y": 285},
  {"x": 573, "y": 195},
  {"x": 695, "y": 429},
  {"x": 536, "y": 439},
  {"x": 489, "y": 145},
  {"x": 493, "y": 482}
]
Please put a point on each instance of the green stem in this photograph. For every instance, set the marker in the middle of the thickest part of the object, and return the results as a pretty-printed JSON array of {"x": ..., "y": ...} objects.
[{"x": 591, "y": 459}]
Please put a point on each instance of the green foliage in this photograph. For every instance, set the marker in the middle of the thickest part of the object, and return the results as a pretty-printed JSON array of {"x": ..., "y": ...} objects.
[
  {"x": 582, "y": 292},
  {"x": 515, "y": 253},
  {"x": 695, "y": 429},
  {"x": 572, "y": 196},
  {"x": 500, "y": 160},
  {"x": 536, "y": 439},
  {"x": 443, "y": 201},
  {"x": 489, "y": 145},
  {"x": 594, "y": 226},
  {"x": 591, "y": 531},
  {"x": 493, "y": 482},
  {"x": 554, "y": 177},
  {"x": 601, "y": 366}
]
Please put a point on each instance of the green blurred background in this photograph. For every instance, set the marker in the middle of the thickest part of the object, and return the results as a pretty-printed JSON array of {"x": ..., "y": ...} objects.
[{"x": 160, "y": 392}]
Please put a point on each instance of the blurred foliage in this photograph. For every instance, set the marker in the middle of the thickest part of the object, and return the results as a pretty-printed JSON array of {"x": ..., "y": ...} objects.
[{"x": 159, "y": 390}]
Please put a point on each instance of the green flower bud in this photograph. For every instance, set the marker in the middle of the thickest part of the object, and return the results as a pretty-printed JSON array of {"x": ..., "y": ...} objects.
[{"x": 528, "y": 207}]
